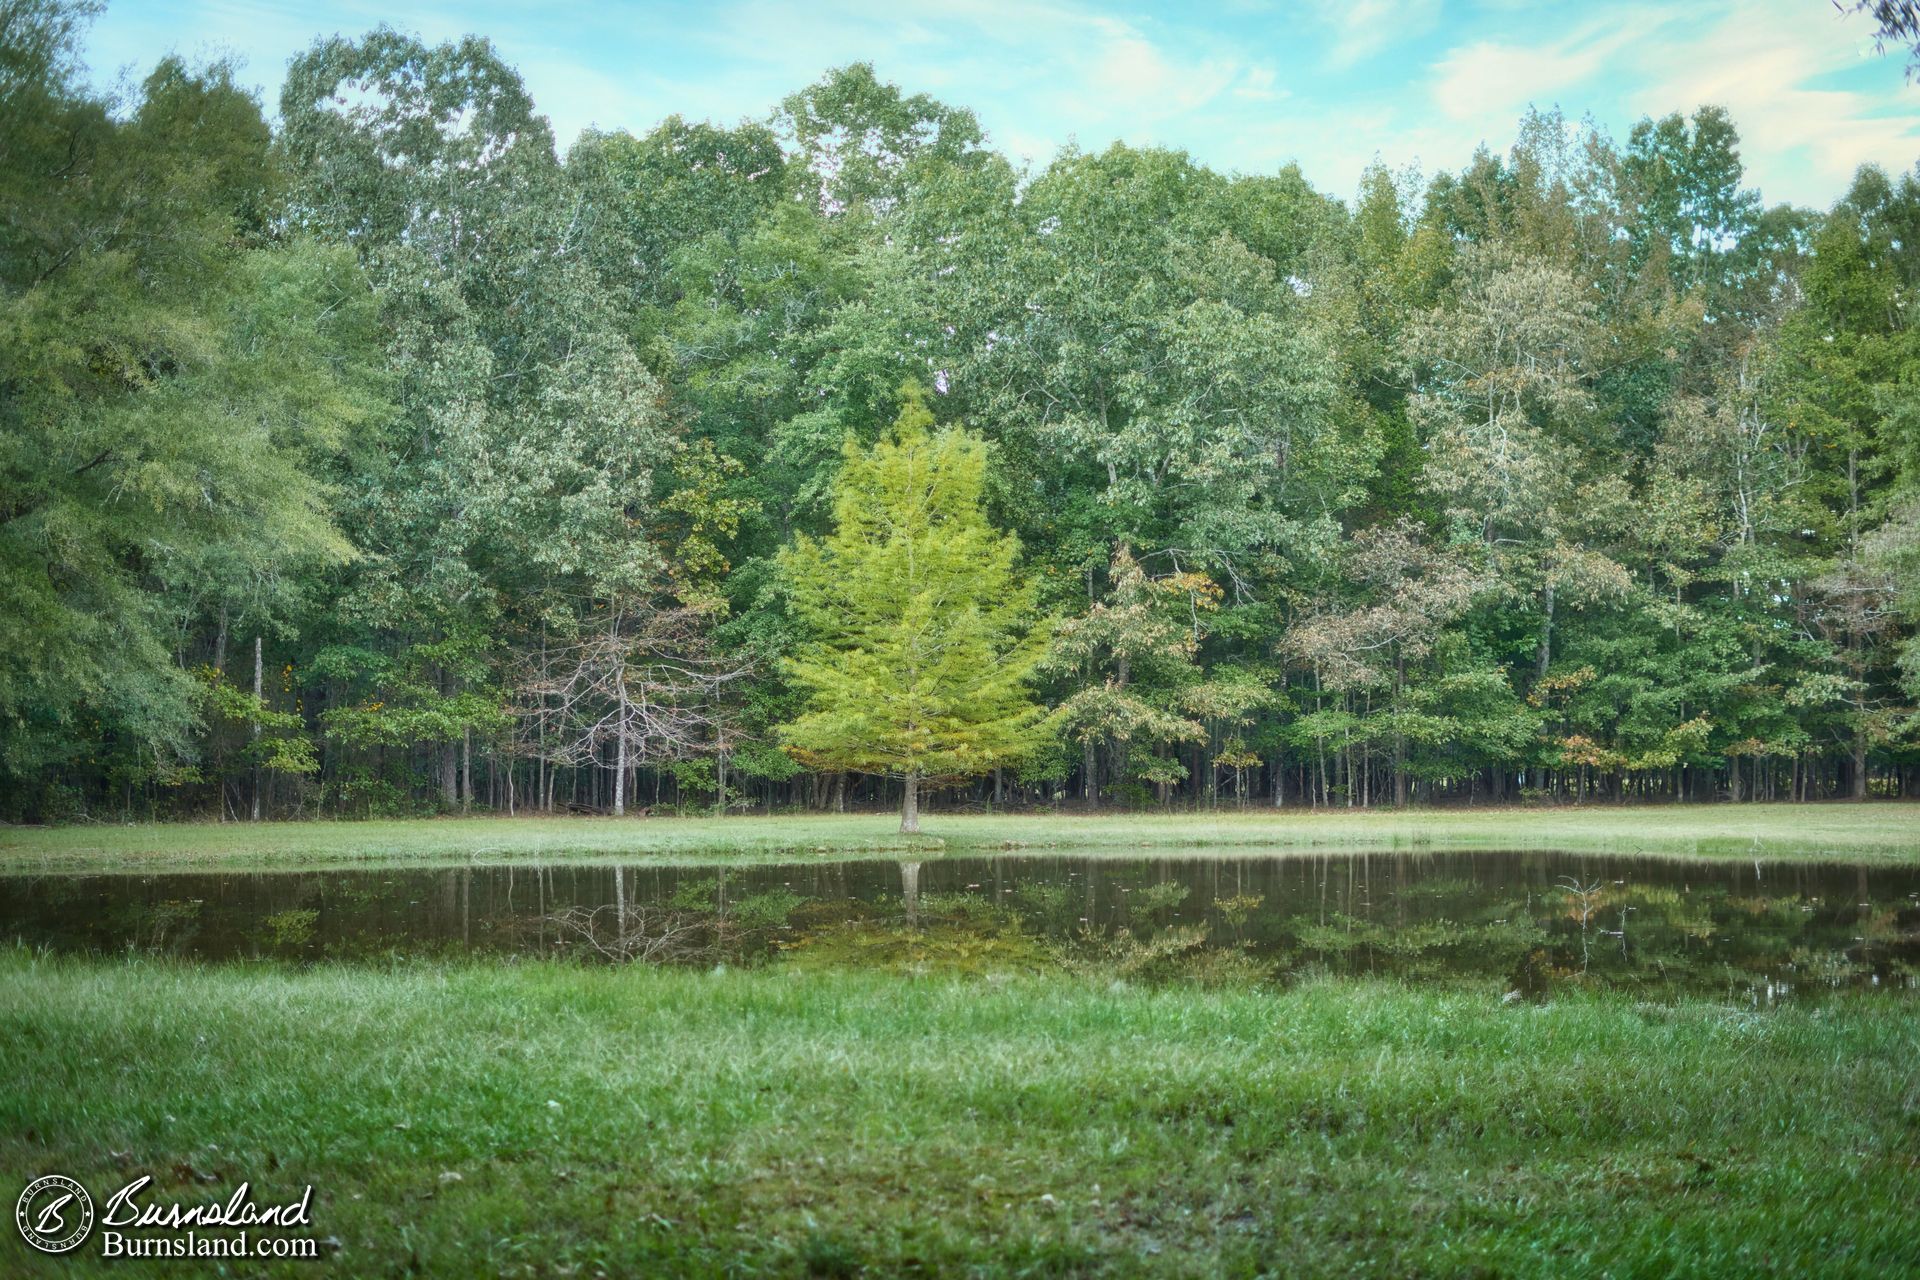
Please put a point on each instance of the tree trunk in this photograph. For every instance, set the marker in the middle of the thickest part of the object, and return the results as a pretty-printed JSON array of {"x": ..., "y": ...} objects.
[
  {"x": 620, "y": 772},
  {"x": 910, "y": 889},
  {"x": 449, "y": 774},
  {"x": 910, "y": 806},
  {"x": 1399, "y": 738},
  {"x": 466, "y": 769},
  {"x": 449, "y": 754},
  {"x": 1545, "y": 654},
  {"x": 258, "y": 668}
]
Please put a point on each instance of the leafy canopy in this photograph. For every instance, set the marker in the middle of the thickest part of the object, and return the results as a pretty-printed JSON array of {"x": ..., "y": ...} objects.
[{"x": 922, "y": 632}]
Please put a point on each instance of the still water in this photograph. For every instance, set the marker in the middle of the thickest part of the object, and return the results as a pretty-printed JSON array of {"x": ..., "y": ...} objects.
[{"x": 1531, "y": 921}]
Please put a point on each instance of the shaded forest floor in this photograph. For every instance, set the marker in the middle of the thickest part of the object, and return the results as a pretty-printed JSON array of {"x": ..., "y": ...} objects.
[
  {"x": 546, "y": 1119},
  {"x": 1880, "y": 831}
]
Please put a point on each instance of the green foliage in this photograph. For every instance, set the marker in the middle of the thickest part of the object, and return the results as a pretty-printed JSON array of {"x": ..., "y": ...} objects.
[
  {"x": 290, "y": 928},
  {"x": 922, "y": 634},
  {"x": 415, "y": 698},
  {"x": 279, "y": 739},
  {"x": 1574, "y": 471},
  {"x": 178, "y": 389}
]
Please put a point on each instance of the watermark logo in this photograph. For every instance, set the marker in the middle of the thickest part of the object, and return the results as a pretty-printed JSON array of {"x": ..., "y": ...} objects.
[{"x": 54, "y": 1214}]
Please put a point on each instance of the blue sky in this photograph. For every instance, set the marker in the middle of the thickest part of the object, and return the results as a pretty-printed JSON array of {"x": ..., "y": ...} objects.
[{"x": 1243, "y": 85}]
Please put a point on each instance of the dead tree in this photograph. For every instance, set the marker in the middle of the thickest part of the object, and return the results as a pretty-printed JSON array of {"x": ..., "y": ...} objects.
[{"x": 641, "y": 682}]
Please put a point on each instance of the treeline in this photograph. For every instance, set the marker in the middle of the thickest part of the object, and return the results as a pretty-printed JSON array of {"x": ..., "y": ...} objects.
[{"x": 382, "y": 459}]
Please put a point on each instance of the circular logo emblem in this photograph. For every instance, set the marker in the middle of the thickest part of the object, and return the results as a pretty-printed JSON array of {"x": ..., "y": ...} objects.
[{"x": 54, "y": 1213}]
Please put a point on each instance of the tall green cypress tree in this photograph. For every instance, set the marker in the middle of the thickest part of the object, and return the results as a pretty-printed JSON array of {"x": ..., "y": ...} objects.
[{"x": 923, "y": 635}]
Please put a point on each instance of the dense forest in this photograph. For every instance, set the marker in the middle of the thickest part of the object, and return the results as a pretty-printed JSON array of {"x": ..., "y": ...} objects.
[{"x": 375, "y": 457}]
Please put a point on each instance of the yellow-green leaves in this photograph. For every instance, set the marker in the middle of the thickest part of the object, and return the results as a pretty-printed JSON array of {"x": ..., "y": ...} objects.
[{"x": 922, "y": 630}]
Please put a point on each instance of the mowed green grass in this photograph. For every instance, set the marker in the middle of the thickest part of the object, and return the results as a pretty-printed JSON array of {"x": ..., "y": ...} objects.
[
  {"x": 776, "y": 1122},
  {"x": 1874, "y": 832}
]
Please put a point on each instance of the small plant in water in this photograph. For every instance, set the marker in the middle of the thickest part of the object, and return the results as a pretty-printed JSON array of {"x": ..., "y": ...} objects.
[
  {"x": 701, "y": 894},
  {"x": 1049, "y": 905},
  {"x": 1236, "y": 910},
  {"x": 292, "y": 928},
  {"x": 1159, "y": 897},
  {"x": 767, "y": 910},
  {"x": 166, "y": 922},
  {"x": 1180, "y": 953},
  {"x": 1586, "y": 900}
]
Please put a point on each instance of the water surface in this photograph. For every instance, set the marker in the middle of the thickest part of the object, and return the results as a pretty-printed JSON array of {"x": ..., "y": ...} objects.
[{"x": 1533, "y": 921}]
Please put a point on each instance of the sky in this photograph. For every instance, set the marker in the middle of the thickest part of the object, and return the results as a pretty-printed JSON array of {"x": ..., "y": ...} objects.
[{"x": 1244, "y": 85}]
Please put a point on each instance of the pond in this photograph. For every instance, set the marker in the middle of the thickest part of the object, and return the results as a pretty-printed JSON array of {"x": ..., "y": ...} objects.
[{"x": 1532, "y": 921}]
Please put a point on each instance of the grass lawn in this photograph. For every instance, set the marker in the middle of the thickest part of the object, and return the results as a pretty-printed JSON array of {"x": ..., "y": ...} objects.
[
  {"x": 544, "y": 1119},
  {"x": 1873, "y": 832}
]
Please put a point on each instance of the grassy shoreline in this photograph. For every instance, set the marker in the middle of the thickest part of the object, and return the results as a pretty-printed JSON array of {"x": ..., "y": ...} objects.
[
  {"x": 1878, "y": 832},
  {"x": 546, "y": 1119}
]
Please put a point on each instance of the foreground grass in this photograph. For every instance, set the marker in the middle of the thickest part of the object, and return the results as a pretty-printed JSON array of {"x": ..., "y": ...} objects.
[
  {"x": 1884, "y": 832},
  {"x": 625, "y": 1122}
]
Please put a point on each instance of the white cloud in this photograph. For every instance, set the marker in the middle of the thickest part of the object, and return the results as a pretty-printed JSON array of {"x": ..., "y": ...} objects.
[
  {"x": 1246, "y": 86},
  {"x": 1491, "y": 78},
  {"x": 1767, "y": 63},
  {"x": 1802, "y": 140},
  {"x": 1258, "y": 86},
  {"x": 1362, "y": 28}
]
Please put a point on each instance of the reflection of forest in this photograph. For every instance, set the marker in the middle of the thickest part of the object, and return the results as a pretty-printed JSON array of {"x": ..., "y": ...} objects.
[{"x": 1772, "y": 928}]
